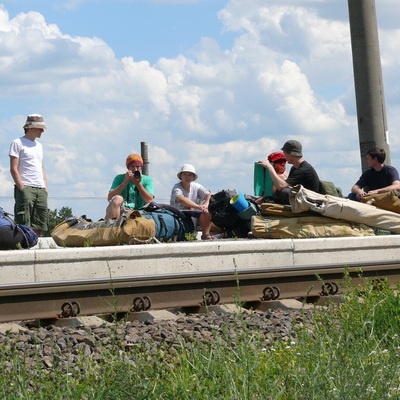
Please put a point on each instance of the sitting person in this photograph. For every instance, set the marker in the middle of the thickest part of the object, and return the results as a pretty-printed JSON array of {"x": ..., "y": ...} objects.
[
  {"x": 378, "y": 178},
  {"x": 131, "y": 190},
  {"x": 278, "y": 161},
  {"x": 190, "y": 195},
  {"x": 301, "y": 173}
]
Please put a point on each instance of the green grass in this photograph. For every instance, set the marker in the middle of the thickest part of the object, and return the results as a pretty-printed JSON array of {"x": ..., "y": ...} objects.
[{"x": 350, "y": 351}]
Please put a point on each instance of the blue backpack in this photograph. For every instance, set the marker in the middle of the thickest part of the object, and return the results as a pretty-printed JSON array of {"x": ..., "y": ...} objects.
[
  {"x": 171, "y": 223},
  {"x": 12, "y": 234}
]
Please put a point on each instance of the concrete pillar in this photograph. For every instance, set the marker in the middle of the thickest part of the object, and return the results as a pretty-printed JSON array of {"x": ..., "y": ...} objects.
[
  {"x": 368, "y": 81},
  {"x": 145, "y": 155}
]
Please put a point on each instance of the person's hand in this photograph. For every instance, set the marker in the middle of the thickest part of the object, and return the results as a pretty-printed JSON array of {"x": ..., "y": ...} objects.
[
  {"x": 131, "y": 177},
  {"x": 128, "y": 175},
  {"x": 203, "y": 208},
  {"x": 361, "y": 193},
  {"x": 265, "y": 163},
  {"x": 372, "y": 192}
]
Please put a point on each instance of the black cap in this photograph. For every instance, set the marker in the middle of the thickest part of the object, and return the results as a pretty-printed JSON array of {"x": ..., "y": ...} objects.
[{"x": 293, "y": 147}]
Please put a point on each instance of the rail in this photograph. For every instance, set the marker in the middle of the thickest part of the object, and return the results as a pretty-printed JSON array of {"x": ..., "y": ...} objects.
[{"x": 64, "y": 299}]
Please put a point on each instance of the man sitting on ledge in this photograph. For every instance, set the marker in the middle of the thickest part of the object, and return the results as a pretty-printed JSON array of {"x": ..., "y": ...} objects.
[
  {"x": 378, "y": 178},
  {"x": 301, "y": 173}
]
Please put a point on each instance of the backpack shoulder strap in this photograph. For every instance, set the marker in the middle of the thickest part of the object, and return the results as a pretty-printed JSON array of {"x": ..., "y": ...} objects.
[{"x": 153, "y": 206}]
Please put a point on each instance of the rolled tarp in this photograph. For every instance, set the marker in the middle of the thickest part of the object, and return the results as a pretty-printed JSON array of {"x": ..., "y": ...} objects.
[{"x": 302, "y": 200}]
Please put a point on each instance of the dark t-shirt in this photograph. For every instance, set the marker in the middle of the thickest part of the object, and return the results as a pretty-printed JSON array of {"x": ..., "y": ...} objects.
[
  {"x": 372, "y": 180},
  {"x": 306, "y": 176}
]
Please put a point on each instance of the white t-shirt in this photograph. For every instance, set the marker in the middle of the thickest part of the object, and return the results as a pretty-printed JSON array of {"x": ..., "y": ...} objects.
[
  {"x": 197, "y": 193},
  {"x": 30, "y": 166}
]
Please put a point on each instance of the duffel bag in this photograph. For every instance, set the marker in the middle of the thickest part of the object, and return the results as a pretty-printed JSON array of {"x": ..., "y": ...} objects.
[
  {"x": 131, "y": 228},
  {"x": 305, "y": 227},
  {"x": 10, "y": 237},
  {"x": 13, "y": 235},
  {"x": 386, "y": 201},
  {"x": 283, "y": 211},
  {"x": 171, "y": 224}
]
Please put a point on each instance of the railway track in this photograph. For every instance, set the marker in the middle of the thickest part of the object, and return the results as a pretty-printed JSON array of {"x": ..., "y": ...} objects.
[{"x": 252, "y": 287}]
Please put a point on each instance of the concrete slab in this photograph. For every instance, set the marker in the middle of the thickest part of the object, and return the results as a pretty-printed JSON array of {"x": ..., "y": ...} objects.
[
  {"x": 232, "y": 309},
  {"x": 11, "y": 327},
  {"x": 162, "y": 315}
]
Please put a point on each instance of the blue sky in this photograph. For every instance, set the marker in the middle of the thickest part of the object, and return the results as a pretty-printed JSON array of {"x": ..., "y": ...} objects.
[
  {"x": 143, "y": 29},
  {"x": 219, "y": 84}
]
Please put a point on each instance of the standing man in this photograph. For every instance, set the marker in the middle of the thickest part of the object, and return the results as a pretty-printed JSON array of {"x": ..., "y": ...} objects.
[
  {"x": 301, "y": 173},
  {"x": 378, "y": 178},
  {"x": 27, "y": 171},
  {"x": 131, "y": 190}
]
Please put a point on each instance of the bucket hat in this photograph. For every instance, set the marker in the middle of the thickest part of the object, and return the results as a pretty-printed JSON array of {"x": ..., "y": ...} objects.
[
  {"x": 34, "y": 121},
  {"x": 293, "y": 147},
  {"x": 187, "y": 168}
]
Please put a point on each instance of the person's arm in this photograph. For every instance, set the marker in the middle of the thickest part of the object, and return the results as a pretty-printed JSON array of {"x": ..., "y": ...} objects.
[
  {"x": 278, "y": 182},
  {"x": 44, "y": 177},
  {"x": 118, "y": 189},
  {"x": 394, "y": 186},
  {"x": 358, "y": 191},
  {"x": 188, "y": 204},
  {"x": 14, "y": 161},
  {"x": 204, "y": 205},
  {"x": 146, "y": 192}
]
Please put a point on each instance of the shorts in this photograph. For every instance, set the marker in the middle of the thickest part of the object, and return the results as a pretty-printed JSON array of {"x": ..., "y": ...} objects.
[{"x": 31, "y": 207}]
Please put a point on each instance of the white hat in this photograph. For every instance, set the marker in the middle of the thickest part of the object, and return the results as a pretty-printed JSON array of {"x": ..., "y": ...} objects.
[{"x": 187, "y": 168}]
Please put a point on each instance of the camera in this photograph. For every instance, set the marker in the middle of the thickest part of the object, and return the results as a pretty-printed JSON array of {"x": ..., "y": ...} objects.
[{"x": 137, "y": 174}]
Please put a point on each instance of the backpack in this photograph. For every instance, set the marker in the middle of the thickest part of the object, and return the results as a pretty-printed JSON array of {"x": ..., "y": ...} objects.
[
  {"x": 330, "y": 189},
  {"x": 171, "y": 223},
  {"x": 226, "y": 217},
  {"x": 12, "y": 234}
]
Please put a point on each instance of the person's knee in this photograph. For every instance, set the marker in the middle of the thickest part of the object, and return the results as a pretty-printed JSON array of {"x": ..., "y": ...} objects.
[
  {"x": 282, "y": 196},
  {"x": 116, "y": 201},
  {"x": 353, "y": 196},
  {"x": 113, "y": 209}
]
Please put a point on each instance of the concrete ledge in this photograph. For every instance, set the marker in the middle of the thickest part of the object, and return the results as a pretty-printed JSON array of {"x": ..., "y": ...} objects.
[{"x": 58, "y": 264}]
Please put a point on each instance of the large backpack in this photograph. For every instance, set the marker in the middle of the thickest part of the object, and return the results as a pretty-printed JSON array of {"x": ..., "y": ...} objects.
[
  {"x": 225, "y": 216},
  {"x": 171, "y": 223},
  {"x": 13, "y": 236}
]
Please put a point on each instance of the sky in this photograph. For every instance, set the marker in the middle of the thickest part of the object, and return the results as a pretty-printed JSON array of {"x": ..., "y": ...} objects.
[{"x": 218, "y": 84}]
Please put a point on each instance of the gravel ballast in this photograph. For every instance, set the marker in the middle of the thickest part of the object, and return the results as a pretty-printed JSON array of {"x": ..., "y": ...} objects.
[{"x": 61, "y": 346}]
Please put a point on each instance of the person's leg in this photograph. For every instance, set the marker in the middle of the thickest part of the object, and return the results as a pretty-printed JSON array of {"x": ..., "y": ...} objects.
[
  {"x": 40, "y": 212},
  {"x": 23, "y": 206},
  {"x": 205, "y": 223},
  {"x": 113, "y": 210},
  {"x": 353, "y": 196},
  {"x": 282, "y": 196}
]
